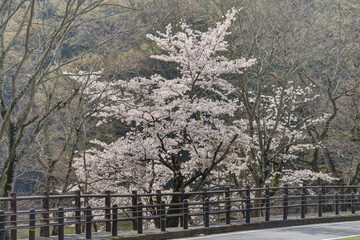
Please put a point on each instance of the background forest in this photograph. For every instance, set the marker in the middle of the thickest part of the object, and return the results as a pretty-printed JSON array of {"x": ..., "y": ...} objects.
[{"x": 102, "y": 94}]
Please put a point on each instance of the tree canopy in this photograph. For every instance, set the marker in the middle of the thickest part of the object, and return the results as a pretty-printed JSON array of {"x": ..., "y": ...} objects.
[{"x": 181, "y": 94}]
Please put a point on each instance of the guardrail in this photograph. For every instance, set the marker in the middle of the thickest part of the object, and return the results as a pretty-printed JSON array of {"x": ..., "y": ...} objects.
[{"x": 205, "y": 207}]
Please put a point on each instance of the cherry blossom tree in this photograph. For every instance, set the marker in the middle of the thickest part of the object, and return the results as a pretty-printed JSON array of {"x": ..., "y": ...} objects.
[
  {"x": 185, "y": 129},
  {"x": 178, "y": 125},
  {"x": 180, "y": 128},
  {"x": 94, "y": 94},
  {"x": 179, "y": 133},
  {"x": 277, "y": 127}
]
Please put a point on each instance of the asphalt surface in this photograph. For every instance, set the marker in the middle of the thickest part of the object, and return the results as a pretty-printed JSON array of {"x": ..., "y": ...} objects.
[
  {"x": 289, "y": 233},
  {"x": 324, "y": 231}
]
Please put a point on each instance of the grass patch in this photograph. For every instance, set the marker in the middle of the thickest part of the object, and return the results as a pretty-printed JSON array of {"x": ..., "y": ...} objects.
[
  {"x": 223, "y": 219},
  {"x": 24, "y": 233},
  {"x": 70, "y": 229}
]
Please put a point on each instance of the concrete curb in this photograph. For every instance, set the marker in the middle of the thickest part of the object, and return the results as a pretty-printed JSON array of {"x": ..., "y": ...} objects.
[{"x": 236, "y": 227}]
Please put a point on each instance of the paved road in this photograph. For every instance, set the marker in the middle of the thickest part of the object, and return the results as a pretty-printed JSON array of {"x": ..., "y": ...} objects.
[
  {"x": 325, "y": 231},
  {"x": 268, "y": 234}
]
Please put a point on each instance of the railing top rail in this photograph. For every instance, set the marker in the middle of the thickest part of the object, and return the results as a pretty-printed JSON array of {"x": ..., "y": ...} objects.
[
  {"x": 200, "y": 192},
  {"x": 63, "y": 196},
  {"x": 38, "y": 197}
]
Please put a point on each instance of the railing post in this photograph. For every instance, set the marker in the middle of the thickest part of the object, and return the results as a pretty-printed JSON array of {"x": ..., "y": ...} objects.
[
  {"x": 303, "y": 206},
  {"x": 207, "y": 213},
  {"x": 323, "y": 192},
  {"x": 61, "y": 223},
  {"x": 247, "y": 204},
  {"x": 88, "y": 222},
  {"x": 158, "y": 209},
  {"x": 182, "y": 198},
  {"x": 320, "y": 205},
  {"x": 352, "y": 203},
  {"x": 247, "y": 191},
  {"x": 285, "y": 207},
  {"x": 78, "y": 212},
  {"x": 186, "y": 214},
  {"x": 204, "y": 195},
  {"x": 32, "y": 224},
  {"x": 204, "y": 198},
  {"x": 267, "y": 203},
  {"x": 13, "y": 209},
  {"x": 162, "y": 217},
  {"x": 286, "y": 189},
  {"x": 134, "y": 208},
  {"x": 2, "y": 225},
  {"x": 45, "y": 231},
  {"x": 228, "y": 210},
  {"x": 267, "y": 190},
  {"x": 336, "y": 204},
  {"x": 267, "y": 208},
  {"x": 140, "y": 218},
  {"x": 305, "y": 193},
  {"x": 248, "y": 209},
  {"x": 286, "y": 201},
  {"x": 227, "y": 192},
  {"x": 114, "y": 220},
  {"x": 342, "y": 192},
  {"x": 107, "y": 211}
]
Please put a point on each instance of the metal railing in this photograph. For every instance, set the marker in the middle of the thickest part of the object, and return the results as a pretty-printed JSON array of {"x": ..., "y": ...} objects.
[{"x": 192, "y": 208}]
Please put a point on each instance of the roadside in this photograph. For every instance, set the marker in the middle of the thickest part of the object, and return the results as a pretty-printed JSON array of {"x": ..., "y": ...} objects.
[
  {"x": 324, "y": 231},
  {"x": 257, "y": 224}
]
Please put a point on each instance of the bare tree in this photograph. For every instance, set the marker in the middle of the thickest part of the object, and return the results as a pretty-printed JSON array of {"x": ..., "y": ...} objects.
[{"x": 30, "y": 59}]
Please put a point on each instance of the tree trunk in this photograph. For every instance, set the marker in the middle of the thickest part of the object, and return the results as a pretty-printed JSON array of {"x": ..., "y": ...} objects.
[
  {"x": 177, "y": 187},
  {"x": 8, "y": 175}
]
